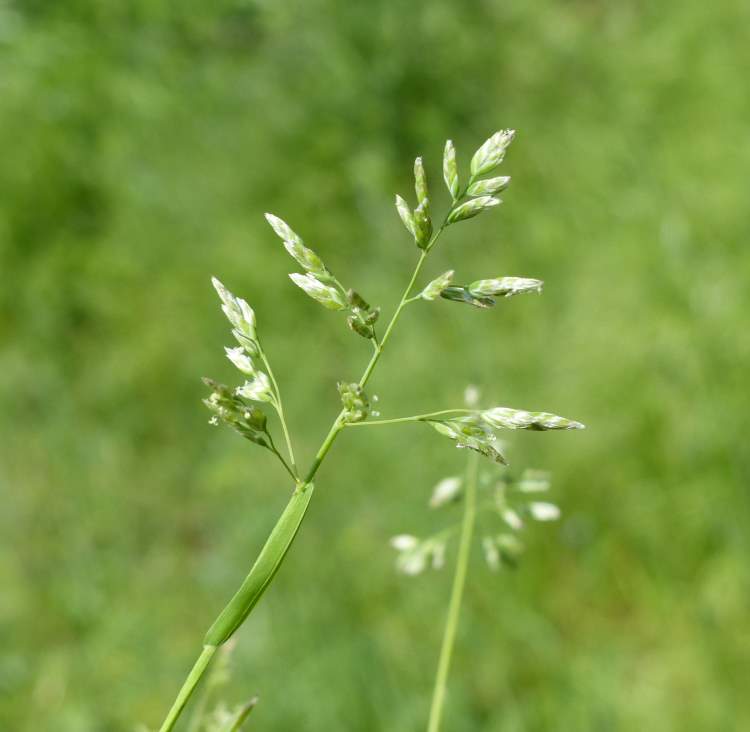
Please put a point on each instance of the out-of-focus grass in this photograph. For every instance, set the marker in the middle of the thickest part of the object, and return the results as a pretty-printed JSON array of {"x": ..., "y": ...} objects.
[{"x": 141, "y": 143}]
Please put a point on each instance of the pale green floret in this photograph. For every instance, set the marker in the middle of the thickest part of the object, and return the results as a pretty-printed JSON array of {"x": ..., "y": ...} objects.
[
  {"x": 420, "y": 181},
  {"x": 241, "y": 360},
  {"x": 251, "y": 346},
  {"x": 490, "y": 187},
  {"x": 258, "y": 389},
  {"x": 437, "y": 550},
  {"x": 461, "y": 294},
  {"x": 491, "y": 153},
  {"x": 491, "y": 553},
  {"x": 414, "y": 556},
  {"x": 436, "y": 287},
  {"x": 404, "y": 542},
  {"x": 238, "y": 312},
  {"x": 422, "y": 224},
  {"x": 470, "y": 432},
  {"x": 446, "y": 491},
  {"x": 512, "y": 518},
  {"x": 354, "y": 401},
  {"x": 450, "y": 170},
  {"x": 510, "y": 547},
  {"x": 306, "y": 258},
  {"x": 282, "y": 229},
  {"x": 505, "y": 286},
  {"x": 328, "y": 297},
  {"x": 293, "y": 243},
  {"x": 246, "y": 419},
  {"x": 534, "y": 481},
  {"x": 519, "y": 419},
  {"x": 543, "y": 511},
  {"x": 411, "y": 563},
  {"x": 406, "y": 215},
  {"x": 471, "y": 208},
  {"x": 471, "y": 396}
]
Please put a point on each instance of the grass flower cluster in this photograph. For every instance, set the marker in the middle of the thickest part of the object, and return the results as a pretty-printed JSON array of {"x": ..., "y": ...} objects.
[
  {"x": 244, "y": 407},
  {"x": 504, "y": 500}
]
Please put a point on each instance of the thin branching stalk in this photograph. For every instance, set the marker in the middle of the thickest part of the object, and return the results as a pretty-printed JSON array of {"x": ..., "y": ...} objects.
[
  {"x": 282, "y": 418},
  {"x": 412, "y": 418},
  {"x": 454, "y": 608}
]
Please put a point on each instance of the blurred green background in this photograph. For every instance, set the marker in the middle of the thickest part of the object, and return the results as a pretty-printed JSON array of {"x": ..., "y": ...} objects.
[{"x": 140, "y": 144}]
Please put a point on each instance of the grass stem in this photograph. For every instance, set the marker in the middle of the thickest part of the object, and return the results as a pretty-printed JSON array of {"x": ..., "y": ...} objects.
[
  {"x": 459, "y": 582},
  {"x": 188, "y": 687},
  {"x": 280, "y": 411},
  {"x": 414, "y": 418}
]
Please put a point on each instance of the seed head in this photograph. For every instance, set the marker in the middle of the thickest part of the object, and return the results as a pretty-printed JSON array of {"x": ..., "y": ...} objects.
[
  {"x": 404, "y": 542},
  {"x": 420, "y": 181},
  {"x": 471, "y": 208},
  {"x": 293, "y": 243},
  {"x": 436, "y": 287},
  {"x": 354, "y": 401},
  {"x": 512, "y": 518},
  {"x": 251, "y": 346},
  {"x": 406, "y": 215},
  {"x": 469, "y": 432},
  {"x": 471, "y": 396},
  {"x": 534, "y": 481},
  {"x": 491, "y": 553},
  {"x": 463, "y": 294},
  {"x": 489, "y": 187},
  {"x": 363, "y": 317},
  {"x": 307, "y": 258},
  {"x": 241, "y": 360},
  {"x": 244, "y": 418},
  {"x": 415, "y": 555},
  {"x": 329, "y": 297},
  {"x": 510, "y": 547},
  {"x": 238, "y": 312},
  {"x": 422, "y": 224},
  {"x": 491, "y": 153},
  {"x": 282, "y": 229},
  {"x": 542, "y": 511},
  {"x": 411, "y": 563},
  {"x": 505, "y": 286},
  {"x": 446, "y": 491},
  {"x": 519, "y": 419},
  {"x": 257, "y": 389},
  {"x": 450, "y": 170},
  {"x": 437, "y": 552}
]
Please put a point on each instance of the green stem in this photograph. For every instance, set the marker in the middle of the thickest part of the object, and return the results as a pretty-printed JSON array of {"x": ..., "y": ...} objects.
[
  {"x": 379, "y": 350},
  {"x": 339, "y": 422},
  {"x": 414, "y": 418},
  {"x": 454, "y": 608},
  {"x": 188, "y": 687},
  {"x": 285, "y": 464},
  {"x": 280, "y": 411}
]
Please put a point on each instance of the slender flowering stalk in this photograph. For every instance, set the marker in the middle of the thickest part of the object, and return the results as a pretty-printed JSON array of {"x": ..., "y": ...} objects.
[
  {"x": 454, "y": 607},
  {"x": 506, "y": 501},
  {"x": 241, "y": 408}
]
